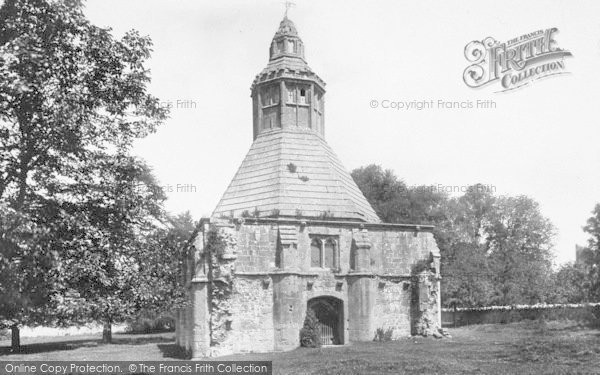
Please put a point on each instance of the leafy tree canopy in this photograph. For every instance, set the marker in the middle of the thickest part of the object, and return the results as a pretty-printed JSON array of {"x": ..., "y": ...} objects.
[
  {"x": 495, "y": 249},
  {"x": 72, "y": 99}
]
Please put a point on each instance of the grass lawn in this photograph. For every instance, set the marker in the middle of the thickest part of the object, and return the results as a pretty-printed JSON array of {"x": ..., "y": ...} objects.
[{"x": 519, "y": 348}]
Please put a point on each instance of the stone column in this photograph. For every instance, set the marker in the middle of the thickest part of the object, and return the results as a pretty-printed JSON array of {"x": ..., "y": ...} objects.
[
  {"x": 425, "y": 304},
  {"x": 189, "y": 332},
  {"x": 282, "y": 101},
  {"x": 311, "y": 115},
  {"x": 260, "y": 108},
  {"x": 184, "y": 328},
  {"x": 200, "y": 318},
  {"x": 322, "y": 109},
  {"x": 290, "y": 261},
  {"x": 436, "y": 266},
  {"x": 439, "y": 303},
  {"x": 288, "y": 310},
  {"x": 362, "y": 260},
  {"x": 254, "y": 115},
  {"x": 361, "y": 298},
  {"x": 288, "y": 248},
  {"x": 178, "y": 327},
  {"x": 361, "y": 290}
]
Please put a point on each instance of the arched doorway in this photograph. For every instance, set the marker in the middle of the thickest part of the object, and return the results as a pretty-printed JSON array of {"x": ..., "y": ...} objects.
[{"x": 330, "y": 314}]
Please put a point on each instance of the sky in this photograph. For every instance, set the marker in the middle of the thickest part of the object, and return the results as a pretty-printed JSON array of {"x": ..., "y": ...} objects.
[{"x": 540, "y": 140}]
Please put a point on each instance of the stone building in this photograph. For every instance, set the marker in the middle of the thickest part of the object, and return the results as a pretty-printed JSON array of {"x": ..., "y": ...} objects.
[{"x": 293, "y": 232}]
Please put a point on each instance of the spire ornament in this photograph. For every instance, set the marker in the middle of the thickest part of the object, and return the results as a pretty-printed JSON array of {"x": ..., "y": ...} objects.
[{"x": 288, "y": 5}]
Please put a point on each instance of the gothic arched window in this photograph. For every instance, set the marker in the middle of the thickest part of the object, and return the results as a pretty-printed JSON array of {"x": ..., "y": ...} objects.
[
  {"x": 324, "y": 252},
  {"x": 315, "y": 253}
]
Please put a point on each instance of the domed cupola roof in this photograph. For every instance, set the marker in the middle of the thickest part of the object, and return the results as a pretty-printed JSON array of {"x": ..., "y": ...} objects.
[
  {"x": 286, "y": 28},
  {"x": 286, "y": 57}
]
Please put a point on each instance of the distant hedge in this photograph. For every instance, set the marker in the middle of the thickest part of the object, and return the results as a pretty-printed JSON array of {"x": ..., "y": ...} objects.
[
  {"x": 150, "y": 322},
  {"x": 584, "y": 313}
]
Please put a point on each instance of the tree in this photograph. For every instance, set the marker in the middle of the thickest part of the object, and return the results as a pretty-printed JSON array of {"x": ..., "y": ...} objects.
[
  {"x": 160, "y": 269},
  {"x": 493, "y": 249},
  {"x": 461, "y": 237},
  {"x": 458, "y": 231},
  {"x": 121, "y": 253},
  {"x": 25, "y": 271},
  {"x": 571, "y": 284},
  {"x": 387, "y": 195},
  {"x": 394, "y": 202},
  {"x": 68, "y": 92},
  {"x": 519, "y": 247},
  {"x": 467, "y": 277},
  {"x": 119, "y": 211},
  {"x": 309, "y": 333},
  {"x": 592, "y": 228}
]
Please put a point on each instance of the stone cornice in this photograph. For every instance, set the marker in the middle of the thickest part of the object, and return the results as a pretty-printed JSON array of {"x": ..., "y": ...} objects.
[
  {"x": 275, "y": 74},
  {"x": 317, "y": 274},
  {"x": 332, "y": 223}
]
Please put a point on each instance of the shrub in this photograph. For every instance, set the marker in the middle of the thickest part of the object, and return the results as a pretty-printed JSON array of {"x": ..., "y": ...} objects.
[
  {"x": 586, "y": 314},
  {"x": 514, "y": 316},
  {"x": 292, "y": 167},
  {"x": 309, "y": 334},
  {"x": 541, "y": 325},
  {"x": 383, "y": 335},
  {"x": 595, "y": 319},
  {"x": 149, "y": 322}
]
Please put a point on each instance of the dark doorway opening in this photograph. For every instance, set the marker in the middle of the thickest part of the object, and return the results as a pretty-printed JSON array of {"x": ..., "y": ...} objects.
[{"x": 330, "y": 314}]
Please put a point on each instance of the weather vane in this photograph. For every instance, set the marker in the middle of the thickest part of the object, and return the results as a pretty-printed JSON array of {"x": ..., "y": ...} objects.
[{"x": 288, "y": 5}]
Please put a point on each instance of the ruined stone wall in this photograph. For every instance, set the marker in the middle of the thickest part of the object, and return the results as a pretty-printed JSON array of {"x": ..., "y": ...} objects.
[
  {"x": 254, "y": 304},
  {"x": 425, "y": 305},
  {"x": 240, "y": 292},
  {"x": 392, "y": 308},
  {"x": 250, "y": 320},
  {"x": 396, "y": 252},
  {"x": 256, "y": 248}
]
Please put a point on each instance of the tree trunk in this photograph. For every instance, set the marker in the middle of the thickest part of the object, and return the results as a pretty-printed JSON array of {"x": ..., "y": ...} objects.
[
  {"x": 107, "y": 332},
  {"x": 16, "y": 339},
  {"x": 454, "y": 315}
]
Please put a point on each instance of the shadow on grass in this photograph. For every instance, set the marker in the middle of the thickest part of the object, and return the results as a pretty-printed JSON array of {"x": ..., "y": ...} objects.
[
  {"x": 140, "y": 333},
  {"x": 44, "y": 347},
  {"x": 172, "y": 351},
  {"x": 50, "y": 346}
]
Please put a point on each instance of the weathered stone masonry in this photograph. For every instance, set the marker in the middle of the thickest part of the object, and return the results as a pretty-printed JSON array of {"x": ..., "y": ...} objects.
[
  {"x": 242, "y": 301},
  {"x": 293, "y": 232}
]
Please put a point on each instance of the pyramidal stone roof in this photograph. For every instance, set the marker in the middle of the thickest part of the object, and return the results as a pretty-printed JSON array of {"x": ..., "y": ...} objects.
[{"x": 294, "y": 173}]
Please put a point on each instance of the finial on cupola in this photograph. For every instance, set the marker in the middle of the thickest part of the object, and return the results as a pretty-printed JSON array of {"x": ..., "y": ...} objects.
[{"x": 288, "y": 5}]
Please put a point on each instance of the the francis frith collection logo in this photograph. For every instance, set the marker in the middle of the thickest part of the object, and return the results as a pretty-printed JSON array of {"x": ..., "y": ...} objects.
[{"x": 514, "y": 63}]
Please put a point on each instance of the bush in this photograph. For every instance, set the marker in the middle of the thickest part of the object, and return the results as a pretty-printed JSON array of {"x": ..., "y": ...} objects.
[
  {"x": 383, "y": 335},
  {"x": 514, "y": 316},
  {"x": 150, "y": 322},
  {"x": 595, "y": 319},
  {"x": 586, "y": 314},
  {"x": 309, "y": 334}
]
